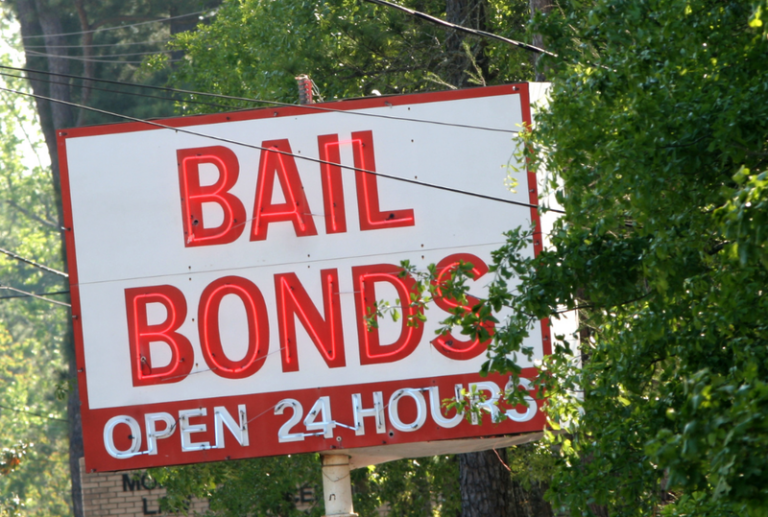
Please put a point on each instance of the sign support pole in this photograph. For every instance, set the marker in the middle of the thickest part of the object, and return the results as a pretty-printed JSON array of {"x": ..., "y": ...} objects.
[{"x": 337, "y": 486}]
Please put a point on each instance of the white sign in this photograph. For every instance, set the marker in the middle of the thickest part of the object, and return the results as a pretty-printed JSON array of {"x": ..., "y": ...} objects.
[{"x": 223, "y": 274}]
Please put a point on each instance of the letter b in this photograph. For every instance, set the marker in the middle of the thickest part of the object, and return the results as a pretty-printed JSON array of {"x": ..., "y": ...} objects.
[
  {"x": 194, "y": 195},
  {"x": 141, "y": 334}
]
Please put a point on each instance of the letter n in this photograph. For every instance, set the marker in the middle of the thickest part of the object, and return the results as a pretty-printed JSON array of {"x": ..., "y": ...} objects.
[{"x": 326, "y": 333}]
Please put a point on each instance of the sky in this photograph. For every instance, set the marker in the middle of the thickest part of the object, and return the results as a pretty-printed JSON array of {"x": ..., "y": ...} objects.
[{"x": 34, "y": 152}]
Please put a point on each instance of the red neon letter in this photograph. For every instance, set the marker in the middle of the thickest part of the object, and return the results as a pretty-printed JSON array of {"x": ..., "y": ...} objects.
[
  {"x": 141, "y": 335},
  {"x": 210, "y": 337},
  {"x": 371, "y": 216},
  {"x": 193, "y": 195},
  {"x": 295, "y": 209},
  {"x": 326, "y": 333},
  {"x": 446, "y": 344},
  {"x": 333, "y": 192},
  {"x": 364, "y": 279}
]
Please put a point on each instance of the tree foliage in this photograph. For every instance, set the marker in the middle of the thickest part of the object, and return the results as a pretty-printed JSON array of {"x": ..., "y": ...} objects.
[
  {"x": 255, "y": 49},
  {"x": 656, "y": 142},
  {"x": 269, "y": 486},
  {"x": 33, "y": 473},
  {"x": 62, "y": 40}
]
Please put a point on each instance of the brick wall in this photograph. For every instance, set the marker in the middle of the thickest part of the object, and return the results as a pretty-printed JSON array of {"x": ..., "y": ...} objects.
[{"x": 125, "y": 494}]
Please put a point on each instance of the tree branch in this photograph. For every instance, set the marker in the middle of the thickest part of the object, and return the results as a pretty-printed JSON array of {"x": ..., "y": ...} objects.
[
  {"x": 118, "y": 19},
  {"x": 32, "y": 216},
  {"x": 88, "y": 63},
  {"x": 460, "y": 28}
]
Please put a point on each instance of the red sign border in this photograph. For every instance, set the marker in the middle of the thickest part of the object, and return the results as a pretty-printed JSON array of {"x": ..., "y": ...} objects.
[{"x": 521, "y": 89}]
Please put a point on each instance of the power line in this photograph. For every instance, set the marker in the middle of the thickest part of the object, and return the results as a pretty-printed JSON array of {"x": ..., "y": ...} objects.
[
  {"x": 260, "y": 101},
  {"x": 99, "y": 45},
  {"x": 158, "y": 20},
  {"x": 33, "y": 263},
  {"x": 95, "y": 60},
  {"x": 461, "y": 28},
  {"x": 135, "y": 94},
  {"x": 299, "y": 156},
  {"x": 44, "y": 54},
  {"x": 33, "y": 295},
  {"x": 47, "y": 293}
]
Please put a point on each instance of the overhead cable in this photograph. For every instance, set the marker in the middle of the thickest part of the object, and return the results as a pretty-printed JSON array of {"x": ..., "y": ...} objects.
[
  {"x": 33, "y": 263},
  {"x": 277, "y": 151},
  {"x": 121, "y": 44},
  {"x": 126, "y": 26},
  {"x": 135, "y": 94},
  {"x": 313, "y": 107},
  {"x": 33, "y": 295},
  {"x": 96, "y": 60},
  {"x": 461, "y": 28},
  {"x": 148, "y": 53},
  {"x": 46, "y": 293}
]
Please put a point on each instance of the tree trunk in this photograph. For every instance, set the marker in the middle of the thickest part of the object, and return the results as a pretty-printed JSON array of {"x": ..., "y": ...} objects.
[
  {"x": 38, "y": 19},
  {"x": 461, "y": 61},
  {"x": 485, "y": 484},
  {"x": 88, "y": 63},
  {"x": 529, "y": 503},
  {"x": 542, "y": 6}
]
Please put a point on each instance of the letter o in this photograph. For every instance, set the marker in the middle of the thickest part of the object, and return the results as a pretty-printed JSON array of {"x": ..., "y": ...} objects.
[
  {"x": 109, "y": 439},
  {"x": 421, "y": 406},
  {"x": 210, "y": 336}
]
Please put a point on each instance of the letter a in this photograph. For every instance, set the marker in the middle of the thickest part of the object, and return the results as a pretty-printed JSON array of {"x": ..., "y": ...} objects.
[{"x": 277, "y": 160}]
